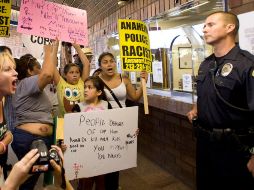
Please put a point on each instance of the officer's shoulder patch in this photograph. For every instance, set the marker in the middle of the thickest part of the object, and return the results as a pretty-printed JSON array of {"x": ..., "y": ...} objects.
[{"x": 252, "y": 73}]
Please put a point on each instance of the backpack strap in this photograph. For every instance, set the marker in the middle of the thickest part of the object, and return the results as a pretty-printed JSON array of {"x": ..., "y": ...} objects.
[
  {"x": 109, "y": 105},
  {"x": 112, "y": 93}
]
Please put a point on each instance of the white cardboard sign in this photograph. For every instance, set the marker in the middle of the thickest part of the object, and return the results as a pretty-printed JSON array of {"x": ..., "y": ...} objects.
[
  {"x": 187, "y": 82},
  {"x": 246, "y": 31},
  {"x": 100, "y": 142}
]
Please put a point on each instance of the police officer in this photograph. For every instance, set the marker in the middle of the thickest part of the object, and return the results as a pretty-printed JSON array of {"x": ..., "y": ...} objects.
[{"x": 225, "y": 109}]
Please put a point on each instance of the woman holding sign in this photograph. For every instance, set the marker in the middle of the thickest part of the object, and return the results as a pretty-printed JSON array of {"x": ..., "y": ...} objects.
[
  {"x": 120, "y": 85},
  {"x": 117, "y": 88}
]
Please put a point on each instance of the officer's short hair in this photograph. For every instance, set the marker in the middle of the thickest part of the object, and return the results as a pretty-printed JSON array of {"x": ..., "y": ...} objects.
[{"x": 229, "y": 18}]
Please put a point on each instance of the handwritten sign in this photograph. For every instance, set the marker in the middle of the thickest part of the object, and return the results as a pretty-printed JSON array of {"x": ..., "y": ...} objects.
[
  {"x": 134, "y": 45},
  {"x": 100, "y": 142},
  {"x": 51, "y": 20},
  {"x": 5, "y": 17}
]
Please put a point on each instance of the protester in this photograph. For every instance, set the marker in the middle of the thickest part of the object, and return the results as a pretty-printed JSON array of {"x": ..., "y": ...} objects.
[
  {"x": 33, "y": 108},
  {"x": 94, "y": 95},
  {"x": 70, "y": 89},
  {"x": 121, "y": 88},
  {"x": 9, "y": 111},
  {"x": 223, "y": 116},
  {"x": 8, "y": 80},
  {"x": 8, "y": 108}
]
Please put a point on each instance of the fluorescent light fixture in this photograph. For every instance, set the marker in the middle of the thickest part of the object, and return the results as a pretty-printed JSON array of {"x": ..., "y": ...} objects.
[
  {"x": 122, "y": 2},
  {"x": 115, "y": 47},
  {"x": 186, "y": 7}
]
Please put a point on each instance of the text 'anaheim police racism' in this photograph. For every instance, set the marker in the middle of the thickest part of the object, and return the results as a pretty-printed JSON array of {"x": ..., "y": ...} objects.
[{"x": 134, "y": 41}]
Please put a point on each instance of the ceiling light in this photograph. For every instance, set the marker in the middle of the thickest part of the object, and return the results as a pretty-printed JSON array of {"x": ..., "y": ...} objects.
[{"x": 122, "y": 2}]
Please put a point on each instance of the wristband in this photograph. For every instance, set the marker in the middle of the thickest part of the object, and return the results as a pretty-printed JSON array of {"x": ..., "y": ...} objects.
[{"x": 4, "y": 146}]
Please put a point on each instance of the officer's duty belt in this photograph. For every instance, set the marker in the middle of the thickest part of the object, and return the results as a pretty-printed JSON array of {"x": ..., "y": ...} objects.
[{"x": 198, "y": 130}]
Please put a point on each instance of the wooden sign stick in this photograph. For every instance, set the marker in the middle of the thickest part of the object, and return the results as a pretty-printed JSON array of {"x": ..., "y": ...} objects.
[{"x": 143, "y": 83}]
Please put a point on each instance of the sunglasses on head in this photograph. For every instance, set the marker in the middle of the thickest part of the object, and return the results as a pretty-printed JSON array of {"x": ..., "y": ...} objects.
[{"x": 30, "y": 60}]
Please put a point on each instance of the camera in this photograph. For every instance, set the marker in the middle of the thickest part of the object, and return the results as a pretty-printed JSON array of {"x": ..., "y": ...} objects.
[
  {"x": 42, "y": 164},
  {"x": 3, "y": 130}
]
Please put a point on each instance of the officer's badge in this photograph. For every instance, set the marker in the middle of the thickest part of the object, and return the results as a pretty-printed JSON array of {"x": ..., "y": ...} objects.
[
  {"x": 226, "y": 69},
  {"x": 252, "y": 74}
]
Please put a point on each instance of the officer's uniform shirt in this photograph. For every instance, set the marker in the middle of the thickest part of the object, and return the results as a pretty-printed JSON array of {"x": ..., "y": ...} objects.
[{"x": 234, "y": 79}]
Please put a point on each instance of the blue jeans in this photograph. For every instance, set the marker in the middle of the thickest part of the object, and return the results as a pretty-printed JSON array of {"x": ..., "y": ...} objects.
[{"x": 21, "y": 145}]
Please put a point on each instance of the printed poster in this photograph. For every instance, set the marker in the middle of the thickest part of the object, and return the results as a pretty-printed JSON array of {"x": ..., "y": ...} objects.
[
  {"x": 5, "y": 17},
  {"x": 134, "y": 45},
  {"x": 246, "y": 31},
  {"x": 157, "y": 72}
]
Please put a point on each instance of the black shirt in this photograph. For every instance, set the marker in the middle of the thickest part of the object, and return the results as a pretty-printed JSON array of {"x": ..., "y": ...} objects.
[{"x": 234, "y": 79}]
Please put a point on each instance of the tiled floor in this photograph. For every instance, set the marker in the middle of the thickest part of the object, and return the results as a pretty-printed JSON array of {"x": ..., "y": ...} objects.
[{"x": 147, "y": 176}]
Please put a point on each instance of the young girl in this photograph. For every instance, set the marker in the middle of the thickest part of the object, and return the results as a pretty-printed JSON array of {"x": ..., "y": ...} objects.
[
  {"x": 94, "y": 95},
  {"x": 121, "y": 87},
  {"x": 71, "y": 90}
]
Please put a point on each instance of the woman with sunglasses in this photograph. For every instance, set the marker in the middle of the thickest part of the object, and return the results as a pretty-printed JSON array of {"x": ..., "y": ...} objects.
[{"x": 33, "y": 108}]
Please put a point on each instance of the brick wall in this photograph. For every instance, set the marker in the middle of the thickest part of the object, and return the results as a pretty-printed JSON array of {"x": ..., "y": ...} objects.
[
  {"x": 241, "y": 6},
  {"x": 136, "y": 9},
  {"x": 144, "y": 9},
  {"x": 167, "y": 139}
]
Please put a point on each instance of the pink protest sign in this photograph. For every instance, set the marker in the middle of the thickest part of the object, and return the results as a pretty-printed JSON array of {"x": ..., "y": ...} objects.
[{"x": 51, "y": 20}]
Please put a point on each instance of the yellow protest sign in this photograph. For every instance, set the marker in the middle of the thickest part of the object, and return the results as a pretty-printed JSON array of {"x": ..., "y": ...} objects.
[
  {"x": 134, "y": 45},
  {"x": 5, "y": 17},
  {"x": 60, "y": 128}
]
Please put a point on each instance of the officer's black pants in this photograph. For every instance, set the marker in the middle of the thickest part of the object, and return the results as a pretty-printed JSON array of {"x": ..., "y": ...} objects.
[
  {"x": 222, "y": 164},
  {"x": 112, "y": 181}
]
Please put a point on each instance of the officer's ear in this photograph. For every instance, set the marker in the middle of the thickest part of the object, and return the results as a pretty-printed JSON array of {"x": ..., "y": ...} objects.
[{"x": 230, "y": 27}]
